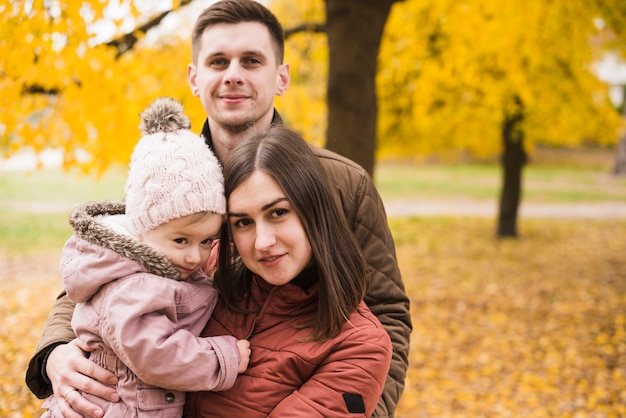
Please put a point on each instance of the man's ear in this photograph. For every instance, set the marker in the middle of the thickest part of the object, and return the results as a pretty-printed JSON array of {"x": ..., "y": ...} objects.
[
  {"x": 191, "y": 79},
  {"x": 283, "y": 79}
]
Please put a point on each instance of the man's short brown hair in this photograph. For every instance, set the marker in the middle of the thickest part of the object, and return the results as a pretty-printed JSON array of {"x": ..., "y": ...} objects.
[{"x": 238, "y": 11}]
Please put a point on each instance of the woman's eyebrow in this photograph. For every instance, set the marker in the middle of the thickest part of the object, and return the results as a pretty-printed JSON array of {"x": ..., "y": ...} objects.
[
  {"x": 273, "y": 202},
  {"x": 263, "y": 208}
]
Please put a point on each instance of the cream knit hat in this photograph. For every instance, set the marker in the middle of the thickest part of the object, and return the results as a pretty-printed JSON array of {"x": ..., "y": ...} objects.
[{"x": 173, "y": 173}]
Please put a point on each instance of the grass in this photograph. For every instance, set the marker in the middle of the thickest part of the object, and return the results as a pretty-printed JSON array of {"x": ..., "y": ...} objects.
[
  {"x": 553, "y": 176},
  {"x": 52, "y": 185},
  {"x": 35, "y": 206},
  {"x": 483, "y": 182}
]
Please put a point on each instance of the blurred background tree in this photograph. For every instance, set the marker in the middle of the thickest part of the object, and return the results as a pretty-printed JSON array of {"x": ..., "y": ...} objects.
[
  {"x": 490, "y": 78},
  {"x": 66, "y": 85},
  {"x": 478, "y": 78}
]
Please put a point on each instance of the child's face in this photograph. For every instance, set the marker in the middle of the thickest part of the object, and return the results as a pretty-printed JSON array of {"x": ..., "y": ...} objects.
[
  {"x": 267, "y": 231},
  {"x": 185, "y": 241}
]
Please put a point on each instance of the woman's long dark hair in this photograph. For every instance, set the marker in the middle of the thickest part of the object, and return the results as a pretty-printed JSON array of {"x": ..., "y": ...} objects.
[{"x": 284, "y": 155}]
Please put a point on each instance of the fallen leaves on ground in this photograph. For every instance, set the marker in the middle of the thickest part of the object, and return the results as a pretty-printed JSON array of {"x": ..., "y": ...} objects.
[
  {"x": 502, "y": 328},
  {"x": 28, "y": 288},
  {"x": 534, "y": 327}
]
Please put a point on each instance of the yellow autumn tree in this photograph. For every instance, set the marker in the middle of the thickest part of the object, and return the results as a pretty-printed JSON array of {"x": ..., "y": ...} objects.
[
  {"x": 304, "y": 105},
  {"x": 67, "y": 87},
  {"x": 62, "y": 87},
  {"x": 448, "y": 72},
  {"x": 450, "y": 69}
]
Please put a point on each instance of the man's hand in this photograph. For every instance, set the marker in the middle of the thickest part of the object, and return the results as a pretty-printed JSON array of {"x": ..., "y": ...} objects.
[{"x": 72, "y": 373}]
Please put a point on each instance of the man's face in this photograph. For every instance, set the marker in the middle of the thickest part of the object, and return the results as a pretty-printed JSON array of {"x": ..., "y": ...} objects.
[{"x": 237, "y": 75}]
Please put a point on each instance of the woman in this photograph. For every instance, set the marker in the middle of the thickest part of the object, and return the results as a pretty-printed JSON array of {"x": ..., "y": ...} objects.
[{"x": 291, "y": 281}]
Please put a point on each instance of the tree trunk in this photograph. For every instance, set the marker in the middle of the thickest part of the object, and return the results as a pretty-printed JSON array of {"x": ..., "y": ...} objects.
[
  {"x": 620, "y": 158},
  {"x": 354, "y": 32},
  {"x": 513, "y": 160}
]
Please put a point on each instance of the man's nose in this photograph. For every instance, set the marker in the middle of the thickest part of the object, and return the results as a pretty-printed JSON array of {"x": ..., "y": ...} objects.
[{"x": 234, "y": 74}]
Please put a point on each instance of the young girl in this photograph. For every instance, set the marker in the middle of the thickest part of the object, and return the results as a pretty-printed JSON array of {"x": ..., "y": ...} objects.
[
  {"x": 136, "y": 271},
  {"x": 292, "y": 284}
]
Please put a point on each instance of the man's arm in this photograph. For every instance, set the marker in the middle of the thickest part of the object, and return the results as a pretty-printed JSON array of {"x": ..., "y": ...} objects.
[
  {"x": 385, "y": 294},
  {"x": 386, "y": 298},
  {"x": 56, "y": 330}
]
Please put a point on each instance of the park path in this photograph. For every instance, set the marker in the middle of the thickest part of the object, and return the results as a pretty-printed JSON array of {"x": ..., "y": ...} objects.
[{"x": 602, "y": 210}]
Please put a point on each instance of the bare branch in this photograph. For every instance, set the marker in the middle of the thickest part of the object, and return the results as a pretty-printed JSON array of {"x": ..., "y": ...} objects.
[
  {"x": 305, "y": 27},
  {"x": 128, "y": 41},
  {"x": 39, "y": 89}
]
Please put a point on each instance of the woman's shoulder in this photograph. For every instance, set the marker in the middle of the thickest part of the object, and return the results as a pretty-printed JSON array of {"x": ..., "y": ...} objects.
[{"x": 363, "y": 324}]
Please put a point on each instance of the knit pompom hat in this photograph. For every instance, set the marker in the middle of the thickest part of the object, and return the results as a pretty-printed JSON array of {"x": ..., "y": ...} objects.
[{"x": 172, "y": 171}]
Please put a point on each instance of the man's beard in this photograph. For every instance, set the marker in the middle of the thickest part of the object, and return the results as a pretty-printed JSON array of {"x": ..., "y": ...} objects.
[{"x": 236, "y": 128}]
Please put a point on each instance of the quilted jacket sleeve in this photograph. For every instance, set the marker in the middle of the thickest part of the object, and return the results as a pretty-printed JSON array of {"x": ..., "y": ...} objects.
[
  {"x": 385, "y": 296},
  {"x": 57, "y": 330}
]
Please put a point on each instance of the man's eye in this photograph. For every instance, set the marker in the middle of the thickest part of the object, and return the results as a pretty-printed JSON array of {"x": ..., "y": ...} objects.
[
  {"x": 218, "y": 62},
  {"x": 252, "y": 61}
]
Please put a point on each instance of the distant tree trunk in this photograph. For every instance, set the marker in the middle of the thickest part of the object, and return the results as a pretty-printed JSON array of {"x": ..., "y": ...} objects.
[
  {"x": 513, "y": 160},
  {"x": 620, "y": 158},
  {"x": 354, "y": 32}
]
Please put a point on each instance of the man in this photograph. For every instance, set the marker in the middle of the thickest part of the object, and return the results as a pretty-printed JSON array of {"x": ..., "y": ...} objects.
[{"x": 237, "y": 70}]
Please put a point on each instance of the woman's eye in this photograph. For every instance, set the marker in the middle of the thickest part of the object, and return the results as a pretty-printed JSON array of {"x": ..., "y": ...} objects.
[
  {"x": 241, "y": 223},
  {"x": 277, "y": 213}
]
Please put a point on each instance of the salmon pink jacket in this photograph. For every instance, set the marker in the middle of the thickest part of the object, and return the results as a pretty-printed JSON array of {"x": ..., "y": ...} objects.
[{"x": 141, "y": 321}]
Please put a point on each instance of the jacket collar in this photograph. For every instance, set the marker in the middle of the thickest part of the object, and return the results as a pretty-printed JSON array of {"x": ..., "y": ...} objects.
[{"x": 206, "y": 132}]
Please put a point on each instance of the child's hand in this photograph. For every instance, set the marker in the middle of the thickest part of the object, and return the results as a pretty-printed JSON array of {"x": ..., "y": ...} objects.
[{"x": 244, "y": 353}]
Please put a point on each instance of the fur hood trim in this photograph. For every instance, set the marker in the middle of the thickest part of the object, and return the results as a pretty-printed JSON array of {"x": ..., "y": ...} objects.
[{"x": 87, "y": 227}]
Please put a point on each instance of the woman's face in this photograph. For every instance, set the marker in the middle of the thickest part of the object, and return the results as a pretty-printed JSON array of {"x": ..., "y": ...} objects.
[{"x": 267, "y": 231}]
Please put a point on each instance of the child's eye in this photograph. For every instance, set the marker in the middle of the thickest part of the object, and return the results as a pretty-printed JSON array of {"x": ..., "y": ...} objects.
[{"x": 180, "y": 240}]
